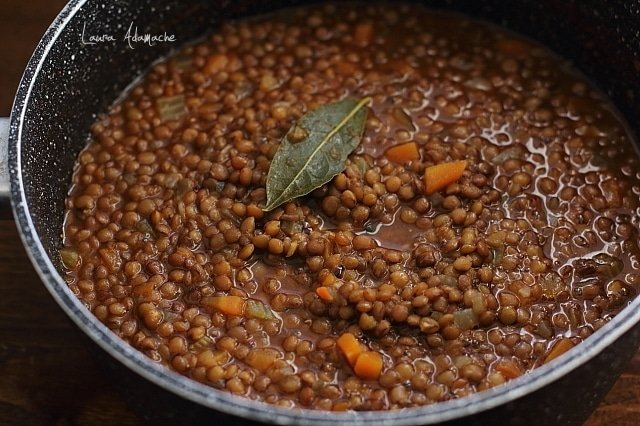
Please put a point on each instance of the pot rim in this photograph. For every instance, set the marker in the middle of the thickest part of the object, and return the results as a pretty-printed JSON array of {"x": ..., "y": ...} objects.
[{"x": 223, "y": 401}]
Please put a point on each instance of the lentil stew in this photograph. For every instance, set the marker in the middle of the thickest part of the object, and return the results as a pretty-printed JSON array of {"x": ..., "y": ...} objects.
[{"x": 486, "y": 223}]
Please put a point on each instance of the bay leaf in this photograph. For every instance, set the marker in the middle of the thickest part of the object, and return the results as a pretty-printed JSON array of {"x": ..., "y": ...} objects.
[{"x": 315, "y": 149}]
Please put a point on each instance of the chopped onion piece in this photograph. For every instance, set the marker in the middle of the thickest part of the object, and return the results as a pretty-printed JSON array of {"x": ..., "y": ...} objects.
[
  {"x": 257, "y": 309},
  {"x": 70, "y": 258},
  {"x": 171, "y": 107},
  {"x": 466, "y": 319},
  {"x": 514, "y": 152}
]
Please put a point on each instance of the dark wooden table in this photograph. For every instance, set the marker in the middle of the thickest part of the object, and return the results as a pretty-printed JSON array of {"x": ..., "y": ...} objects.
[{"x": 47, "y": 373}]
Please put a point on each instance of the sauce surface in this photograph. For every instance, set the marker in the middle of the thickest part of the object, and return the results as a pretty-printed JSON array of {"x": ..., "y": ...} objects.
[{"x": 524, "y": 256}]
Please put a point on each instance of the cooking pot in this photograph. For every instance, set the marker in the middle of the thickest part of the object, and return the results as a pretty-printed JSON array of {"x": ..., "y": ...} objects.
[{"x": 84, "y": 62}]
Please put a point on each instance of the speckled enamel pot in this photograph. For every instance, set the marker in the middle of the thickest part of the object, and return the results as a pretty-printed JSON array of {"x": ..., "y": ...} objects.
[{"x": 67, "y": 82}]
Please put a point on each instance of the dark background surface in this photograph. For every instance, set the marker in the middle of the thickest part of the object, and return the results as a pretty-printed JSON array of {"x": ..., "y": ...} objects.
[{"x": 48, "y": 375}]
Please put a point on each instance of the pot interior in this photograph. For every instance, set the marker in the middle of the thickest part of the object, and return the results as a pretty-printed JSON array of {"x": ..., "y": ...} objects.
[{"x": 70, "y": 81}]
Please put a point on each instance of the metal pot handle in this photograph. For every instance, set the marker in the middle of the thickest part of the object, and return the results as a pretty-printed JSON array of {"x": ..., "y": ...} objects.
[{"x": 5, "y": 205}]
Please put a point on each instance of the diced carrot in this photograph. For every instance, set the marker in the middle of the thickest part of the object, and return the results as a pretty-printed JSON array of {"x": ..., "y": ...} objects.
[
  {"x": 368, "y": 365},
  {"x": 441, "y": 175},
  {"x": 350, "y": 347},
  {"x": 230, "y": 305},
  {"x": 403, "y": 153},
  {"x": 363, "y": 34},
  {"x": 324, "y": 294},
  {"x": 508, "y": 369},
  {"x": 560, "y": 347}
]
